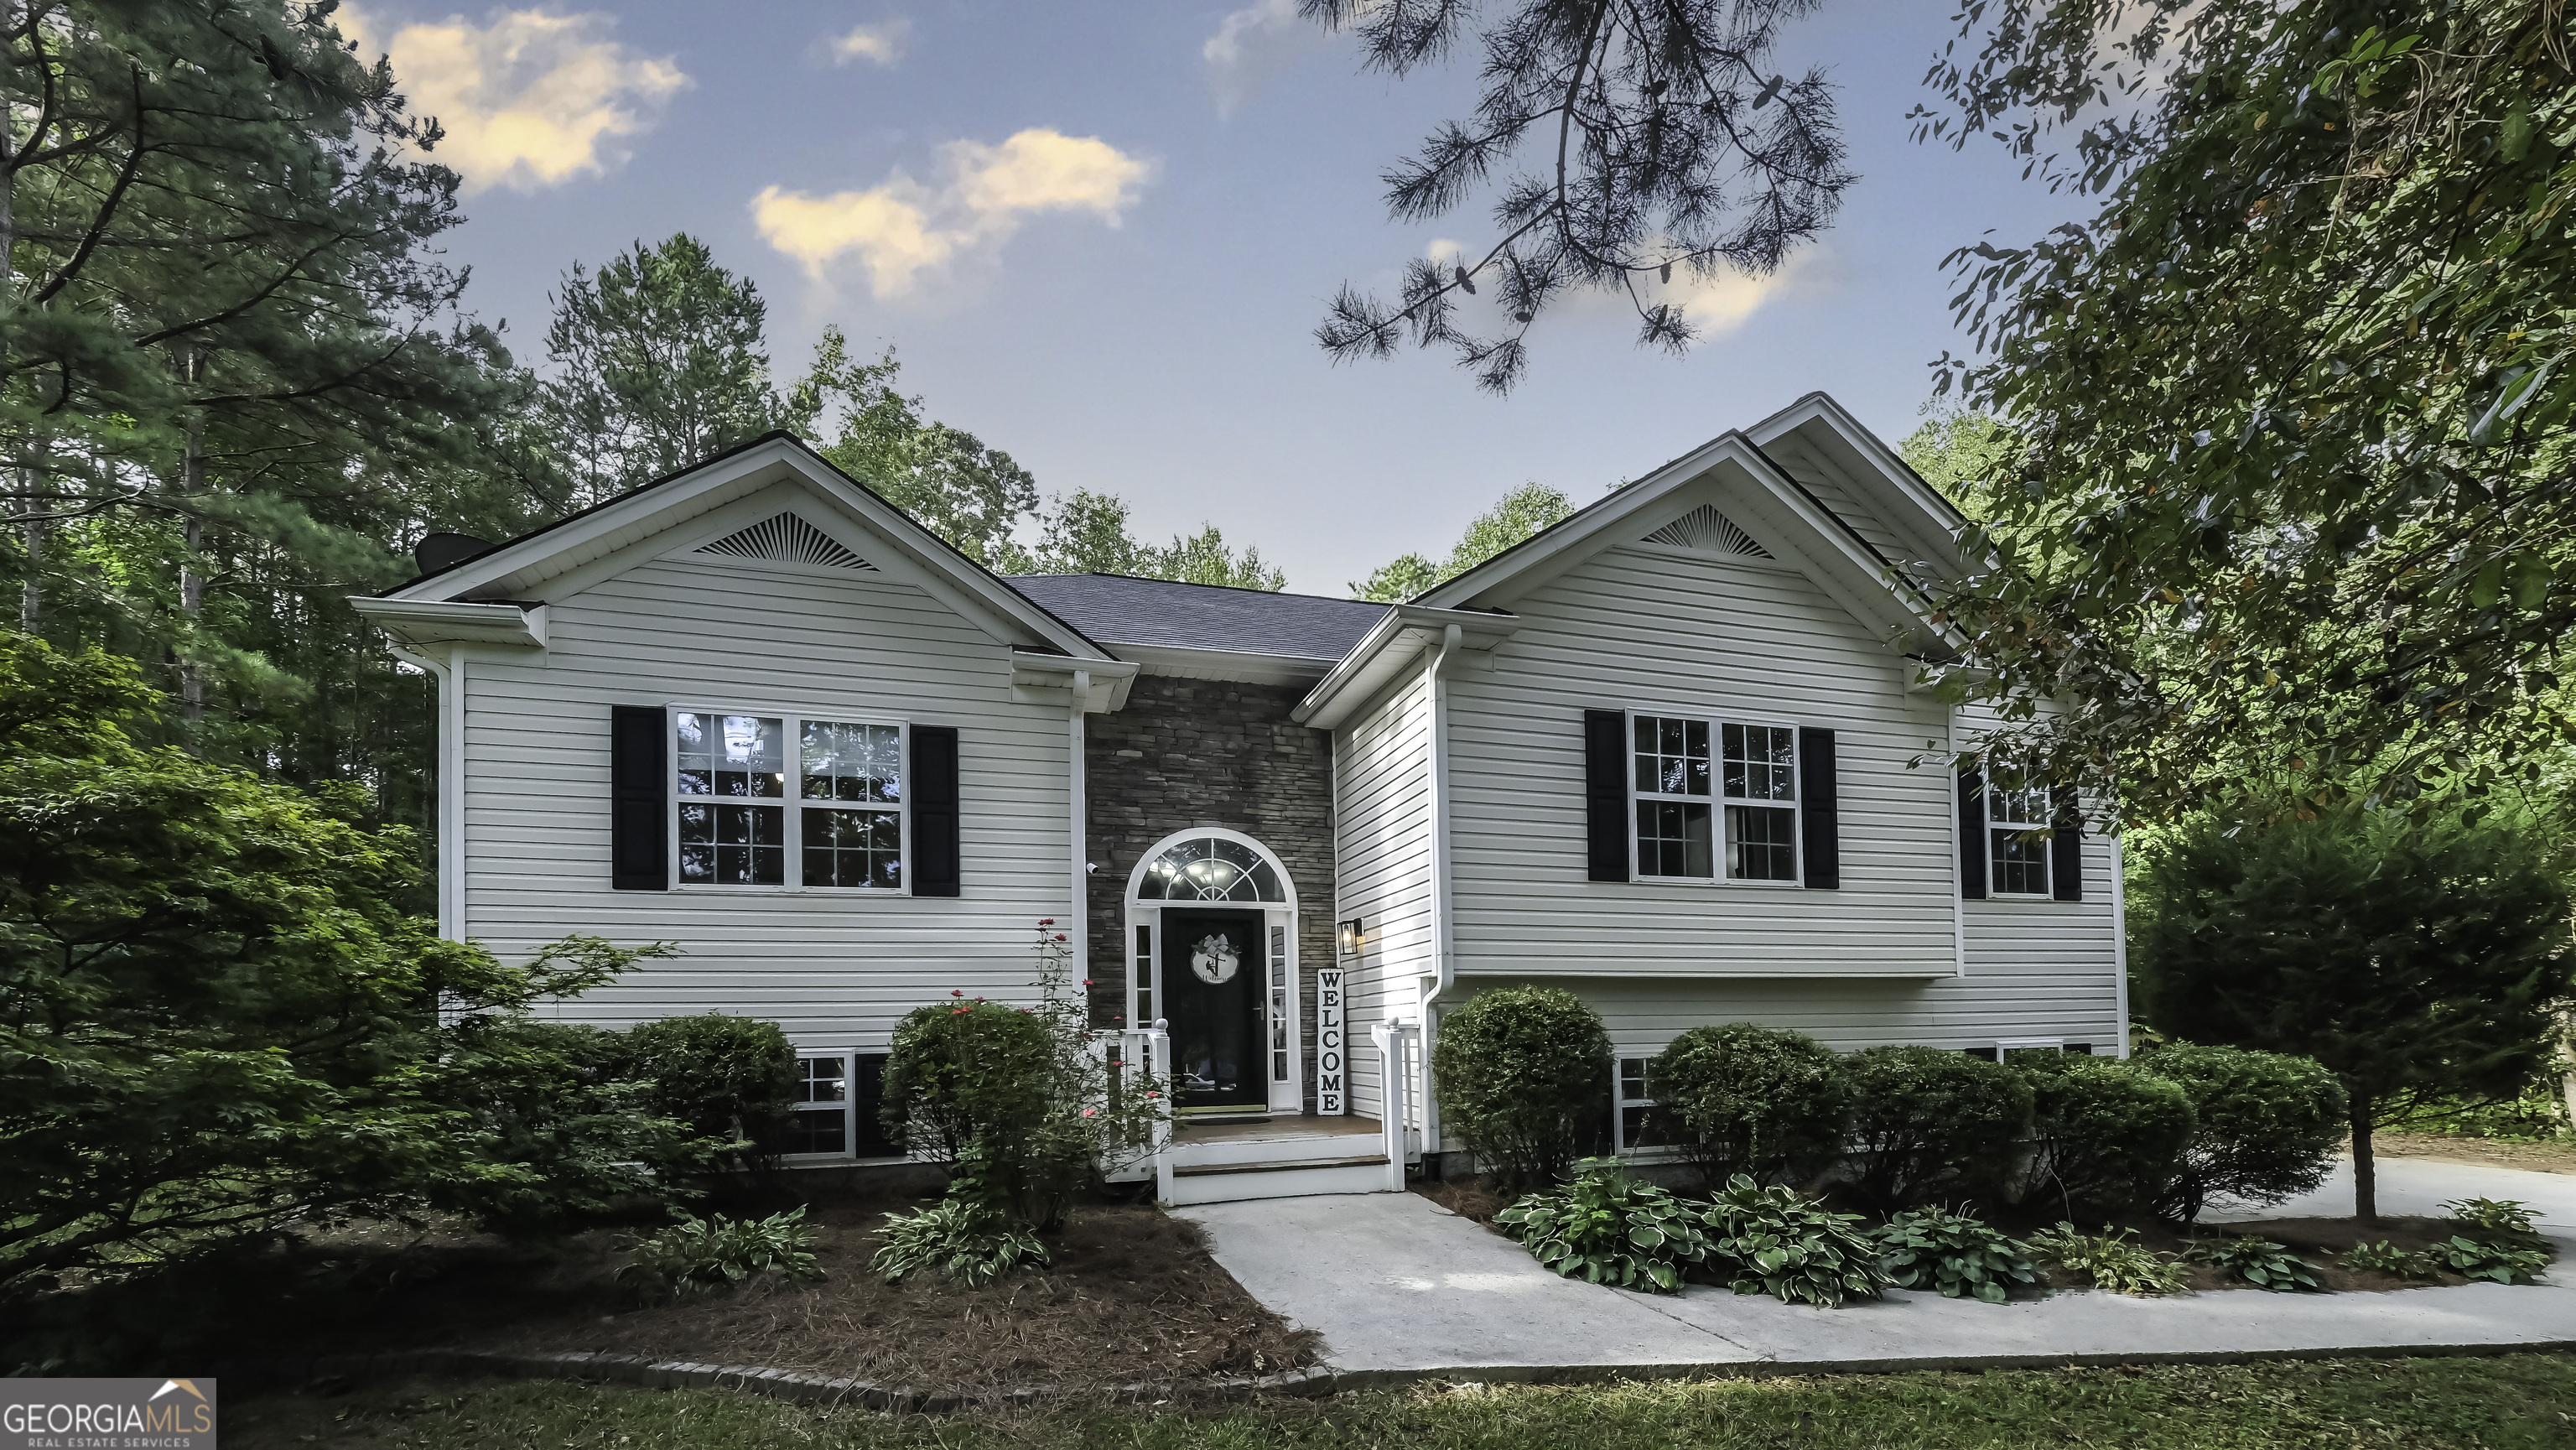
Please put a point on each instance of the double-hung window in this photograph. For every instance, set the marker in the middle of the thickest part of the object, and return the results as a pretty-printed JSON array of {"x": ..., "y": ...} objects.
[
  {"x": 820, "y": 1122},
  {"x": 1708, "y": 791},
  {"x": 2017, "y": 822},
  {"x": 769, "y": 800}
]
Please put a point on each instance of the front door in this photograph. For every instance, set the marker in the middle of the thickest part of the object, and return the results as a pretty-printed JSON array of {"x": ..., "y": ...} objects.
[{"x": 1212, "y": 1004}]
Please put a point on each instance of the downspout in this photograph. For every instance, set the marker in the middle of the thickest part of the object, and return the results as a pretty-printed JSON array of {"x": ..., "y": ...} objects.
[
  {"x": 1958, "y": 852},
  {"x": 1079, "y": 932},
  {"x": 1444, "y": 940},
  {"x": 2119, "y": 947},
  {"x": 450, "y": 674},
  {"x": 1444, "y": 943}
]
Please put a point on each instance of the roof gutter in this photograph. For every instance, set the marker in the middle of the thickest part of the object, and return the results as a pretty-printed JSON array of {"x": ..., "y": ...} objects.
[{"x": 1389, "y": 647}]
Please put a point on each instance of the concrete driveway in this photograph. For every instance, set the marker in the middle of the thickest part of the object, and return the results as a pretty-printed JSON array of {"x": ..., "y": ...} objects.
[{"x": 1402, "y": 1290}]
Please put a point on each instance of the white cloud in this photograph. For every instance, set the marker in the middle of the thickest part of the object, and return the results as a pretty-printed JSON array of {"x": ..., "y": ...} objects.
[
  {"x": 900, "y": 230},
  {"x": 1718, "y": 305},
  {"x": 1252, "y": 43},
  {"x": 528, "y": 98},
  {"x": 880, "y": 41}
]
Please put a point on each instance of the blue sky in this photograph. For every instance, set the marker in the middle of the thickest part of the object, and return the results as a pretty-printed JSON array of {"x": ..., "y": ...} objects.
[{"x": 1100, "y": 234}]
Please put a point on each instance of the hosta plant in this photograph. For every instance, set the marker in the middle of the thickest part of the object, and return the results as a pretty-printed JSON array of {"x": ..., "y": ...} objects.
[
  {"x": 1775, "y": 1241},
  {"x": 2385, "y": 1257},
  {"x": 968, "y": 1240},
  {"x": 1608, "y": 1228},
  {"x": 2260, "y": 1262},
  {"x": 2493, "y": 1215},
  {"x": 2504, "y": 1263},
  {"x": 2112, "y": 1260},
  {"x": 1954, "y": 1253},
  {"x": 706, "y": 1255}
]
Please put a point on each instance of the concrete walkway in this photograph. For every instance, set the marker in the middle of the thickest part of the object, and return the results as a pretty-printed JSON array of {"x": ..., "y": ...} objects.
[{"x": 1402, "y": 1290}]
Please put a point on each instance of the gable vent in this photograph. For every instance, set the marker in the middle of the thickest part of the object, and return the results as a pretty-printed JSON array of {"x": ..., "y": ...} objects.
[
  {"x": 787, "y": 539},
  {"x": 1709, "y": 532}
]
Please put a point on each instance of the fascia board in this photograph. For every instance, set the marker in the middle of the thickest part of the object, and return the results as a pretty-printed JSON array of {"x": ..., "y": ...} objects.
[
  {"x": 1557, "y": 548},
  {"x": 1110, "y": 679},
  {"x": 1249, "y": 667},
  {"x": 425, "y": 623},
  {"x": 523, "y": 568},
  {"x": 1389, "y": 646},
  {"x": 1908, "y": 504}
]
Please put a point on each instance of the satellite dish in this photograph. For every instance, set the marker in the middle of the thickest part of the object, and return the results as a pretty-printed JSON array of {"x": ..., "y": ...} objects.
[{"x": 439, "y": 551}]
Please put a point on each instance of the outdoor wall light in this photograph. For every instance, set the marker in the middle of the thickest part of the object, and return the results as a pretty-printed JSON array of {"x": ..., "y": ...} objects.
[{"x": 1351, "y": 937}]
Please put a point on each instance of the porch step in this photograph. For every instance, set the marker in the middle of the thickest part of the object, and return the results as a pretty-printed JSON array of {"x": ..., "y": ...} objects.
[
  {"x": 1189, "y": 1153},
  {"x": 1235, "y": 1182},
  {"x": 1207, "y": 1170}
]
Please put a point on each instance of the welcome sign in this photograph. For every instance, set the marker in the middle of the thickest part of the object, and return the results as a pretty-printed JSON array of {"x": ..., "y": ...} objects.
[
  {"x": 107, "y": 1414},
  {"x": 1331, "y": 1076}
]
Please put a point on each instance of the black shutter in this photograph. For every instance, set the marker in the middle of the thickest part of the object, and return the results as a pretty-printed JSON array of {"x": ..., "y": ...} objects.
[
  {"x": 2065, "y": 846},
  {"x": 1822, "y": 808},
  {"x": 1605, "y": 792},
  {"x": 934, "y": 810},
  {"x": 868, "y": 1087},
  {"x": 639, "y": 798},
  {"x": 1972, "y": 835}
]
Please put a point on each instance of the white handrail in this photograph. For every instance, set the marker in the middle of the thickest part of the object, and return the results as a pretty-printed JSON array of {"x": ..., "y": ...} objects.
[
  {"x": 1142, "y": 1054},
  {"x": 1398, "y": 1045}
]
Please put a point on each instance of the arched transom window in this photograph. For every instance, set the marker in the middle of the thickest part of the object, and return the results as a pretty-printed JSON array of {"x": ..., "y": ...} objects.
[{"x": 1209, "y": 868}]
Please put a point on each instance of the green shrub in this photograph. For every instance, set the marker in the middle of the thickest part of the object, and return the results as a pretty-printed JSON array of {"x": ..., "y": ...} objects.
[
  {"x": 699, "y": 1256},
  {"x": 1777, "y": 1241},
  {"x": 2104, "y": 1133},
  {"x": 959, "y": 1068},
  {"x": 2385, "y": 1257},
  {"x": 1926, "y": 1121},
  {"x": 2260, "y": 1262},
  {"x": 2494, "y": 1215},
  {"x": 1015, "y": 1099},
  {"x": 2504, "y": 1263},
  {"x": 2265, "y": 1127},
  {"x": 1608, "y": 1228},
  {"x": 1751, "y": 1100},
  {"x": 972, "y": 1243},
  {"x": 728, "y": 1078},
  {"x": 1522, "y": 1072},
  {"x": 1954, "y": 1253},
  {"x": 2111, "y": 1260}
]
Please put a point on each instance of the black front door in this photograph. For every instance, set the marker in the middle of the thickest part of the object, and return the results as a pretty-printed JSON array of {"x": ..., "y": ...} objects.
[{"x": 1211, "y": 1001}]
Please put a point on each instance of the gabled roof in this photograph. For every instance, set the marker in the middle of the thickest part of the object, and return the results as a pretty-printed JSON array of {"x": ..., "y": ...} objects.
[
  {"x": 1117, "y": 609},
  {"x": 1832, "y": 546},
  {"x": 567, "y": 555}
]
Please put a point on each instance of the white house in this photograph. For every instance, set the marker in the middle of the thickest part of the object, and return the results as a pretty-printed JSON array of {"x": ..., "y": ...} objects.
[{"x": 1673, "y": 754}]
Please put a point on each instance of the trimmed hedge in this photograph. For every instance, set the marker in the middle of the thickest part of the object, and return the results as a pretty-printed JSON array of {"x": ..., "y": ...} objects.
[
  {"x": 1928, "y": 1121},
  {"x": 732, "y": 1078},
  {"x": 1751, "y": 1100},
  {"x": 960, "y": 1069},
  {"x": 2266, "y": 1126},
  {"x": 1521, "y": 1072},
  {"x": 2104, "y": 1133}
]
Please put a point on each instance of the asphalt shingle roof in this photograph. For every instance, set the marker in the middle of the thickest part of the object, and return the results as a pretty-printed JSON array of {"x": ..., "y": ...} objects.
[{"x": 1115, "y": 609}]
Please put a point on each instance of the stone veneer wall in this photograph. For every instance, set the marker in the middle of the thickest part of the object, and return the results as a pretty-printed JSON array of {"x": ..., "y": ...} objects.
[{"x": 1190, "y": 753}]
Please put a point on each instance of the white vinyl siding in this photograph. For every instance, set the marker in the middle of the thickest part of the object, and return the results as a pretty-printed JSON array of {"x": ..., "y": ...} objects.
[
  {"x": 832, "y": 966},
  {"x": 1382, "y": 841},
  {"x": 1726, "y": 640}
]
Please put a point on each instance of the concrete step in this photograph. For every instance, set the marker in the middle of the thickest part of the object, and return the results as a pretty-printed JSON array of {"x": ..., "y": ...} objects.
[
  {"x": 1233, "y": 1183},
  {"x": 1303, "y": 1147}
]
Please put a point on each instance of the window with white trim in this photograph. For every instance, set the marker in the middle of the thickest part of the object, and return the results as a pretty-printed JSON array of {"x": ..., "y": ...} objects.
[
  {"x": 2018, "y": 821},
  {"x": 1641, "y": 1124},
  {"x": 820, "y": 1120},
  {"x": 1679, "y": 781},
  {"x": 765, "y": 800}
]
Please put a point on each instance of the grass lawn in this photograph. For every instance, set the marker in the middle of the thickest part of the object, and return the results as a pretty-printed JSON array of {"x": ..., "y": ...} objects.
[{"x": 2423, "y": 1404}]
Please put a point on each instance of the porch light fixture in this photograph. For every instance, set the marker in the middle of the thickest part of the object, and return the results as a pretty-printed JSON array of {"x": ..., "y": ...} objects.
[{"x": 1351, "y": 937}]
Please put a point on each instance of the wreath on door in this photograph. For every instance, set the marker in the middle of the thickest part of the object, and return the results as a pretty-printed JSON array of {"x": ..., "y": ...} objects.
[{"x": 1214, "y": 960}]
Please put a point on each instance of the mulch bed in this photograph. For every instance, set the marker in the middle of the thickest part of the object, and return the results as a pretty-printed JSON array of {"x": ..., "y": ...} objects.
[
  {"x": 1132, "y": 1296},
  {"x": 2313, "y": 1239}
]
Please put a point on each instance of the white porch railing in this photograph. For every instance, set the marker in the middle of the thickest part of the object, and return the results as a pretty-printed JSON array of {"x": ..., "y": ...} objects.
[
  {"x": 1139, "y": 1059},
  {"x": 1399, "y": 1060}
]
